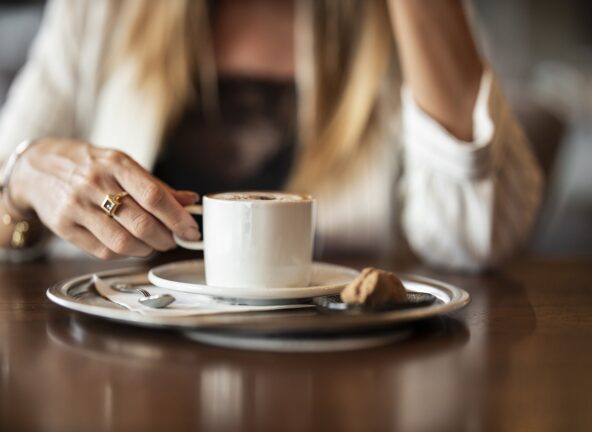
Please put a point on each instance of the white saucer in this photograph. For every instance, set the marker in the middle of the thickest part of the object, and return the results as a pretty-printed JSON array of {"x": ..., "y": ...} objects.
[{"x": 189, "y": 276}]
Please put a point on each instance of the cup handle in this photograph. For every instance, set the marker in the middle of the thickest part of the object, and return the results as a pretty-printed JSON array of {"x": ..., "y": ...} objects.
[{"x": 188, "y": 244}]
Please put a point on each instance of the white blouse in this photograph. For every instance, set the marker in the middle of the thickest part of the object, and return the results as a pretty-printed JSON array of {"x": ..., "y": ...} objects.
[{"x": 461, "y": 205}]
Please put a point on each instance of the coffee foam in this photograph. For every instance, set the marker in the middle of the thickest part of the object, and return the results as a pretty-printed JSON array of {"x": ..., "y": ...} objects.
[{"x": 259, "y": 196}]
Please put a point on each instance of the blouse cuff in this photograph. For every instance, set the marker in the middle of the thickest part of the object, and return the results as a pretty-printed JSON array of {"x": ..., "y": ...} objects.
[{"x": 429, "y": 145}]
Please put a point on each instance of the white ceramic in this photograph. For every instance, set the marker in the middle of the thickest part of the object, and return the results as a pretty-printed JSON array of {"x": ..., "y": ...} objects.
[
  {"x": 256, "y": 243},
  {"x": 188, "y": 276}
]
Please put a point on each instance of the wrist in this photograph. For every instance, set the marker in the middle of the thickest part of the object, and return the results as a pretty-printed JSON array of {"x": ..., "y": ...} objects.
[
  {"x": 14, "y": 182},
  {"x": 17, "y": 190}
]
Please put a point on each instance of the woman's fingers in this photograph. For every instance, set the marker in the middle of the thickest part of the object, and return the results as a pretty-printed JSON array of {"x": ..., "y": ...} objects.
[
  {"x": 143, "y": 226},
  {"x": 156, "y": 199},
  {"x": 112, "y": 234},
  {"x": 146, "y": 232},
  {"x": 82, "y": 238},
  {"x": 71, "y": 180}
]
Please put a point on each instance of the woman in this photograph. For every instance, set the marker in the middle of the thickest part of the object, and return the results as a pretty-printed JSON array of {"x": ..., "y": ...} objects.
[{"x": 304, "y": 95}]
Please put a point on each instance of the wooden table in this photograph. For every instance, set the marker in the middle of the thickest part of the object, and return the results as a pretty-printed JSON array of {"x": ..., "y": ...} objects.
[{"x": 519, "y": 358}]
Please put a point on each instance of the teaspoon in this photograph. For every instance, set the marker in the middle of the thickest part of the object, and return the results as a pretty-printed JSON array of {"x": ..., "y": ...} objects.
[{"x": 155, "y": 301}]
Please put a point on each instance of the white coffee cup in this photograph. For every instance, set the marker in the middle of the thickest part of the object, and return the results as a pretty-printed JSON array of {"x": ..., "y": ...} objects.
[{"x": 256, "y": 239}]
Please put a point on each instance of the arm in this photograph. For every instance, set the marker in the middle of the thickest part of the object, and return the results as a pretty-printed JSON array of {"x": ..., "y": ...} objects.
[
  {"x": 41, "y": 100},
  {"x": 439, "y": 60},
  {"x": 472, "y": 186},
  {"x": 64, "y": 180}
]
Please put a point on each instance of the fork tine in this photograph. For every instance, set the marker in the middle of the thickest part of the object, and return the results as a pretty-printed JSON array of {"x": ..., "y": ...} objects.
[{"x": 143, "y": 292}]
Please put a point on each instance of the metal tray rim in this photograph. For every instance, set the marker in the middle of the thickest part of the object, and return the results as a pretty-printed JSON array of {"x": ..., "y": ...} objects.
[{"x": 451, "y": 299}]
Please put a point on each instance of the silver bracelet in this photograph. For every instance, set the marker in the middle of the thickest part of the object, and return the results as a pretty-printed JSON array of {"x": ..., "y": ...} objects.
[{"x": 8, "y": 168}]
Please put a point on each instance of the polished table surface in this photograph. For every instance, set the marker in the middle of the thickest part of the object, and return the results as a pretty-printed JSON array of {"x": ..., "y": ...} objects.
[{"x": 518, "y": 358}]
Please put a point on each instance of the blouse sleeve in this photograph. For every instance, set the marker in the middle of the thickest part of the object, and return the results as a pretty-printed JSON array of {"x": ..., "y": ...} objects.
[
  {"x": 41, "y": 101},
  {"x": 468, "y": 205}
]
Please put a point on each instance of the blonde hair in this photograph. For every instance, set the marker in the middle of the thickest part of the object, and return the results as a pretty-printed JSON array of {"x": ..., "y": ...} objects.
[{"x": 344, "y": 52}]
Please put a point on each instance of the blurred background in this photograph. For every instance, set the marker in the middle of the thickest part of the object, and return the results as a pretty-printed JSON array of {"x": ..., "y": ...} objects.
[{"x": 542, "y": 51}]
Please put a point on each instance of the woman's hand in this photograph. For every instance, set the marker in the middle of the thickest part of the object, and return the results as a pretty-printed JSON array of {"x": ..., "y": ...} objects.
[{"x": 65, "y": 182}]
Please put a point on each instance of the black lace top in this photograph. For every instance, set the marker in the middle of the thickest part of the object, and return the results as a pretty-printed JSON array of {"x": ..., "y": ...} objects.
[{"x": 250, "y": 145}]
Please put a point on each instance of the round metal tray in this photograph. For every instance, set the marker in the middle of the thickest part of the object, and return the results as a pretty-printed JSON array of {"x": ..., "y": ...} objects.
[{"x": 78, "y": 294}]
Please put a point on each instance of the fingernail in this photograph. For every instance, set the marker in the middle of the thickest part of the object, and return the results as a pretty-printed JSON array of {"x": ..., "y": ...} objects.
[
  {"x": 189, "y": 193},
  {"x": 191, "y": 233}
]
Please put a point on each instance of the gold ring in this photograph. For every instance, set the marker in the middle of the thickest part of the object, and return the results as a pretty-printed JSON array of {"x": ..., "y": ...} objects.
[{"x": 111, "y": 203}]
